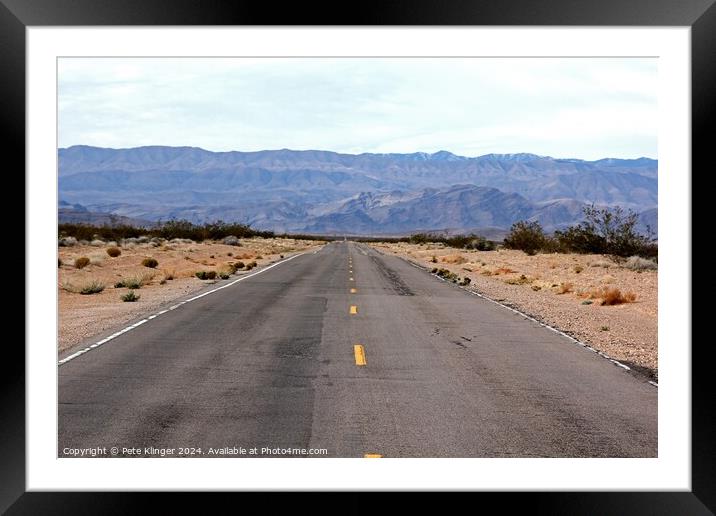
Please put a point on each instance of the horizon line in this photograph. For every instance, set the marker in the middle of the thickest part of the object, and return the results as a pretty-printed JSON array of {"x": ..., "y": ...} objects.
[{"x": 442, "y": 151}]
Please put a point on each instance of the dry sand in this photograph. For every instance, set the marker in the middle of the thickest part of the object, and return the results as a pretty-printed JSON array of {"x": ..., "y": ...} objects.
[
  {"x": 532, "y": 284},
  {"x": 84, "y": 316}
]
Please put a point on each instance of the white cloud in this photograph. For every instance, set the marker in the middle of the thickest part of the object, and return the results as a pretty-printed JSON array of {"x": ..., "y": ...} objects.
[{"x": 588, "y": 108}]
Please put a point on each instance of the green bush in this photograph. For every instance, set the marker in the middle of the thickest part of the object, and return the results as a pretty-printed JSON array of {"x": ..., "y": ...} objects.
[
  {"x": 526, "y": 236},
  {"x": 150, "y": 262},
  {"x": 130, "y": 297},
  {"x": 82, "y": 262}
]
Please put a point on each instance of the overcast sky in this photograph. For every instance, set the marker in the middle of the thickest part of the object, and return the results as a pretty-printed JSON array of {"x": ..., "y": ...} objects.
[{"x": 568, "y": 108}]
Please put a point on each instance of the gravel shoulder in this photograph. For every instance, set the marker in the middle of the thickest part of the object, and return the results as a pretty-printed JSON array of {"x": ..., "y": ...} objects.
[
  {"x": 81, "y": 317},
  {"x": 559, "y": 289}
]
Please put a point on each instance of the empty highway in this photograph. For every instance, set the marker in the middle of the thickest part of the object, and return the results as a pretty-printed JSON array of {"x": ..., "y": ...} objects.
[{"x": 355, "y": 353}]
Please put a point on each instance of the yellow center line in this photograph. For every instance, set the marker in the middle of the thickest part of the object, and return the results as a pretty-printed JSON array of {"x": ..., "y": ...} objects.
[
  {"x": 354, "y": 309},
  {"x": 372, "y": 456},
  {"x": 353, "y": 291},
  {"x": 351, "y": 279},
  {"x": 359, "y": 353}
]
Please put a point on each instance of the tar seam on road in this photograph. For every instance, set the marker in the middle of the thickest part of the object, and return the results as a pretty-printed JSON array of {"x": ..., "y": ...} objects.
[
  {"x": 529, "y": 317},
  {"x": 173, "y": 307}
]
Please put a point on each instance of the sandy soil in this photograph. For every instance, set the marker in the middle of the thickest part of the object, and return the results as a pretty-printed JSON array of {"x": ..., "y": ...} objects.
[
  {"x": 556, "y": 289},
  {"x": 83, "y": 316}
]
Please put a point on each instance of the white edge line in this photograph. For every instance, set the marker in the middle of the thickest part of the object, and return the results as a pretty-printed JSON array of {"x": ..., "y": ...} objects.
[
  {"x": 173, "y": 307},
  {"x": 529, "y": 317}
]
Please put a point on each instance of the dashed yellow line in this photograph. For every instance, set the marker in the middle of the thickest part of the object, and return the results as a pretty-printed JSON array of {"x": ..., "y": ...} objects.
[
  {"x": 353, "y": 310},
  {"x": 351, "y": 279},
  {"x": 359, "y": 353},
  {"x": 372, "y": 456},
  {"x": 353, "y": 291}
]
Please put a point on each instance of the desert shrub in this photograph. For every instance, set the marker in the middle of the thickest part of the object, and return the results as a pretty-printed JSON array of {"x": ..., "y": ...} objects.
[
  {"x": 471, "y": 241},
  {"x": 169, "y": 275},
  {"x": 239, "y": 265},
  {"x": 609, "y": 231},
  {"x": 434, "y": 270},
  {"x": 67, "y": 241},
  {"x": 578, "y": 268},
  {"x": 229, "y": 254},
  {"x": 587, "y": 302},
  {"x": 604, "y": 328},
  {"x": 433, "y": 260},
  {"x": 132, "y": 283},
  {"x": 565, "y": 287},
  {"x": 522, "y": 280},
  {"x": 612, "y": 296},
  {"x": 259, "y": 257},
  {"x": 163, "y": 281},
  {"x": 97, "y": 243},
  {"x": 206, "y": 275},
  {"x": 636, "y": 263},
  {"x": 526, "y": 236},
  {"x": 447, "y": 275},
  {"x": 252, "y": 264},
  {"x": 114, "y": 251},
  {"x": 224, "y": 275},
  {"x": 281, "y": 257},
  {"x": 536, "y": 288},
  {"x": 130, "y": 297},
  {"x": 465, "y": 281},
  {"x": 150, "y": 262},
  {"x": 93, "y": 287},
  {"x": 82, "y": 262}
]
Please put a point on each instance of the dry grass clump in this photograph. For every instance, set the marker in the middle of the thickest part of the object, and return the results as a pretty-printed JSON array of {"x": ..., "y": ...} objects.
[
  {"x": 578, "y": 268},
  {"x": 114, "y": 251},
  {"x": 92, "y": 287},
  {"x": 637, "y": 263},
  {"x": 565, "y": 287},
  {"x": 502, "y": 270},
  {"x": 455, "y": 259},
  {"x": 612, "y": 296},
  {"x": 82, "y": 262}
]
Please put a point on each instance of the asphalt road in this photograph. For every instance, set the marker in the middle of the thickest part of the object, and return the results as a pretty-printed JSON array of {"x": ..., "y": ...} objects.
[{"x": 271, "y": 362}]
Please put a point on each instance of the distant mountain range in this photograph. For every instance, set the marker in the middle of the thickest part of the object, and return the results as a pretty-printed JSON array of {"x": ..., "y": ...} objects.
[{"x": 328, "y": 192}]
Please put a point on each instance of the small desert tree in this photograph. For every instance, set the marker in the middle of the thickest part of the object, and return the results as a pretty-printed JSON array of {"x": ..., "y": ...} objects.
[
  {"x": 526, "y": 236},
  {"x": 607, "y": 231}
]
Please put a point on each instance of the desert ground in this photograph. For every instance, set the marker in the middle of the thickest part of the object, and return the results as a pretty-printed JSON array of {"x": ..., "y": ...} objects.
[
  {"x": 82, "y": 316},
  {"x": 562, "y": 290}
]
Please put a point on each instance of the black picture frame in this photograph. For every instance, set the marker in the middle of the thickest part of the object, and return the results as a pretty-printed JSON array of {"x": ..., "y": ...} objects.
[{"x": 700, "y": 15}]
